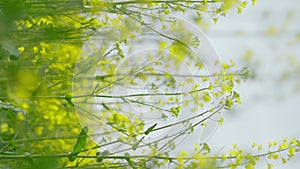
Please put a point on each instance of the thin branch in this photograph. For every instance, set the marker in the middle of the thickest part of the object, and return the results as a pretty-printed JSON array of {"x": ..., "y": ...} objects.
[
  {"x": 126, "y": 96},
  {"x": 28, "y": 155}
]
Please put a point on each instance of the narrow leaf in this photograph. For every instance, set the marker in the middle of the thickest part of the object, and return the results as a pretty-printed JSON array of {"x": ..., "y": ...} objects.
[
  {"x": 81, "y": 141},
  {"x": 150, "y": 129},
  {"x": 69, "y": 100},
  {"x": 135, "y": 145}
]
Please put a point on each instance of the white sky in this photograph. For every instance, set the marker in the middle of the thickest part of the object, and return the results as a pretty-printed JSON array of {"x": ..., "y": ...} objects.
[{"x": 270, "y": 106}]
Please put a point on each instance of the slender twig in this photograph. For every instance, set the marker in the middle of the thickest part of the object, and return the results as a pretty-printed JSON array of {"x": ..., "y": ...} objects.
[
  {"x": 176, "y": 135},
  {"x": 125, "y": 96},
  {"x": 99, "y": 77},
  {"x": 28, "y": 155},
  {"x": 159, "y": 1}
]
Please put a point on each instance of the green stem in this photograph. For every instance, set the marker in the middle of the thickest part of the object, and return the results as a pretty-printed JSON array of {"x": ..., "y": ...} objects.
[{"x": 125, "y": 96}]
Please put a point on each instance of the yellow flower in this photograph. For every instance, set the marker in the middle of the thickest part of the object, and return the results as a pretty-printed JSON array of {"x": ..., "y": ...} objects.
[
  {"x": 21, "y": 49},
  {"x": 20, "y": 116},
  {"x": 35, "y": 49},
  {"x": 4, "y": 127}
]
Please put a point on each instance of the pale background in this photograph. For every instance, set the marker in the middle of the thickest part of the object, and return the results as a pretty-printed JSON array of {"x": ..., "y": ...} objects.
[{"x": 270, "y": 109}]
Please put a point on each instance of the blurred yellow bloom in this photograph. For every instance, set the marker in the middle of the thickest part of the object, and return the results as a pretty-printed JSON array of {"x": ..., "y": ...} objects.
[
  {"x": 21, "y": 49},
  {"x": 35, "y": 49},
  {"x": 4, "y": 127},
  {"x": 20, "y": 116},
  {"x": 39, "y": 130}
]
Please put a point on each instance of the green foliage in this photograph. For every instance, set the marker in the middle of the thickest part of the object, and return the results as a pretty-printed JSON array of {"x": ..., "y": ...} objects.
[
  {"x": 80, "y": 144},
  {"x": 150, "y": 129},
  {"x": 39, "y": 48}
]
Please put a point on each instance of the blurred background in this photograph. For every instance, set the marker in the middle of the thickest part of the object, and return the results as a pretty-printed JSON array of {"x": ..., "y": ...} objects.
[{"x": 265, "y": 38}]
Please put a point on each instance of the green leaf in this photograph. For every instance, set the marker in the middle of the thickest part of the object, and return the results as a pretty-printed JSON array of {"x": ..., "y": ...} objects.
[
  {"x": 150, "y": 129},
  {"x": 81, "y": 141},
  {"x": 69, "y": 100},
  {"x": 135, "y": 145}
]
